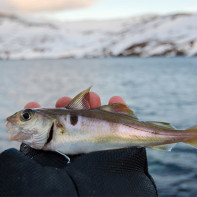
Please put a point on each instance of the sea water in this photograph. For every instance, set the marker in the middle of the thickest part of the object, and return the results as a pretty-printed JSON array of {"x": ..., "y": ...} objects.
[{"x": 158, "y": 89}]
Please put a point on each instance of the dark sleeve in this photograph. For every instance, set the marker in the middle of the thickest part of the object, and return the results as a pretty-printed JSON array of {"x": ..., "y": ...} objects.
[{"x": 120, "y": 172}]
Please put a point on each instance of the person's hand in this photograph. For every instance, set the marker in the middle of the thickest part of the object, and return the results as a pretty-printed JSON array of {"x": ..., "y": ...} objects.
[
  {"x": 95, "y": 101},
  {"x": 30, "y": 172}
]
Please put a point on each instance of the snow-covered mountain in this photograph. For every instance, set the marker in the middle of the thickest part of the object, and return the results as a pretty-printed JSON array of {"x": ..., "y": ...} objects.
[{"x": 150, "y": 35}]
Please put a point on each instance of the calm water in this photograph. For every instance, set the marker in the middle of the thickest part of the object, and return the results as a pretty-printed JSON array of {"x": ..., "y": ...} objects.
[{"x": 160, "y": 89}]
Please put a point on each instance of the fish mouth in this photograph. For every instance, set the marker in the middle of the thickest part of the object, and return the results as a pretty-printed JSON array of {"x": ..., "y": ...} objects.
[
  {"x": 8, "y": 120},
  {"x": 13, "y": 132},
  {"x": 10, "y": 128},
  {"x": 8, "y": 124},
  {"x": 50, "y": 136}
]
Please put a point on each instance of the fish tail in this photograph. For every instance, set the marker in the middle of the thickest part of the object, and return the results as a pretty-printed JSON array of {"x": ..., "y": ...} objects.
[{"x": 192, "y": 141}]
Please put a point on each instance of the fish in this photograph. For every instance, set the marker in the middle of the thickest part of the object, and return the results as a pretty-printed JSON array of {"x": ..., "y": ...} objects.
[{"x": 77, "y": 129}]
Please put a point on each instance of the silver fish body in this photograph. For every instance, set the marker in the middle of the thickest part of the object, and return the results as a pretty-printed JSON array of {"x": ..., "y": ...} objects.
[
  {"x": 93, "y": 131},
  {"x": 83, "y": 131},
  {"x": 79, "y": 129}
]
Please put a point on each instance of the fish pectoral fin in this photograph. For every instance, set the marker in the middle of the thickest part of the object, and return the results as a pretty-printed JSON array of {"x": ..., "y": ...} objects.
[
  {"x": 162, "y": 124},
  {"x": 64, "y": 155},
  {"x": 166, "y": 147},
  {"x": 81, "y": 101},
  {"x": 118, "y": 108}
]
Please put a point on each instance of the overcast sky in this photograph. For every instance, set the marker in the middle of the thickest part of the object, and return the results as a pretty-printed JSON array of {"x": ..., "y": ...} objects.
[{"x": 95, "y": 9}]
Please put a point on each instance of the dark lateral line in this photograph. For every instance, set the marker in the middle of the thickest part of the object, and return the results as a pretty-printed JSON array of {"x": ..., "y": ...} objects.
[{"x": 50, "y": 134}]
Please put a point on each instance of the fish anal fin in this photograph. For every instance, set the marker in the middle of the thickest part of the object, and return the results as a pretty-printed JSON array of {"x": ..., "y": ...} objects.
[
  {"x": 192, "y": 143},
  {"x": 162, "y": 124},
  {"x": 166, "y": 147},
  {"x": 81, "y": 101},
  {"x": 118, "y": 108}
]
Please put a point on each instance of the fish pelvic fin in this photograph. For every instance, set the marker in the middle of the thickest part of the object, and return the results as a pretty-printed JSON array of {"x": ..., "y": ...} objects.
[{"x": 193, "y": 141}]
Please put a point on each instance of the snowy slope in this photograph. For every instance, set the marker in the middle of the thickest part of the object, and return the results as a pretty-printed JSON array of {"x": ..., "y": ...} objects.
[{"x": 151, "y": 35}]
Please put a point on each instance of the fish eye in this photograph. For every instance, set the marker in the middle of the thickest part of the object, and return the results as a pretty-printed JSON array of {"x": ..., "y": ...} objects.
[{"x": 26, "y": 114}]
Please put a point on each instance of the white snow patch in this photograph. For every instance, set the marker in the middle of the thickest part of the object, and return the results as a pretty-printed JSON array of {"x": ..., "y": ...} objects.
[{"x": 150, "y": 35}]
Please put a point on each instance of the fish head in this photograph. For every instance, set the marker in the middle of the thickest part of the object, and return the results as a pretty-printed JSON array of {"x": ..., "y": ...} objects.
[{"x": 29, "y": 126}]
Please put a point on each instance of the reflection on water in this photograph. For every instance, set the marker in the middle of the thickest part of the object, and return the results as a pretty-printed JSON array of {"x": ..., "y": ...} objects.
[{"x": 160, "y": 89}]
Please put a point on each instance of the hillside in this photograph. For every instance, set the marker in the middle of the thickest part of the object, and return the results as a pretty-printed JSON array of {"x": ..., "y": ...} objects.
[{"x": 150, "y": 35}]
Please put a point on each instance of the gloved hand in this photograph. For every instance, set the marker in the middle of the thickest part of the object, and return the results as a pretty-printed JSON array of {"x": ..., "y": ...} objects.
[{"x": 31, "y": 172}]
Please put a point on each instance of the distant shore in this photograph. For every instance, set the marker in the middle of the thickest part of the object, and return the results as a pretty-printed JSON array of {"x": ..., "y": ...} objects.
[{"x": 143, "y": 36}]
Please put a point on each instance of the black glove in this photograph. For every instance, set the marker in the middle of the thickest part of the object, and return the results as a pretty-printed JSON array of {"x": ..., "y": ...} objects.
[{"x": 31, "y": 172}]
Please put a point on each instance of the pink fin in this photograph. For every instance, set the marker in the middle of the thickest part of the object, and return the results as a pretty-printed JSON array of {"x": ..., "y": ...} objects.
[
  {"x": 165, "y": 147},
  {"x": 81, "y": 101},
  {"x": 118, "y": 108},
  {"x": 162, "y": 124},
  {"x": 192, "y": 141}
]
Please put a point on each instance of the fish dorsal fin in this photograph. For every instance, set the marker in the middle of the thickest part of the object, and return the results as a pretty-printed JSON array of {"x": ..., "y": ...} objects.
[
  {"x": 81, "y": 101},
  {"x": 162, "y": 124},
  {"x": 166, "y": 147},
  {"x": 118, "y": 108}
]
